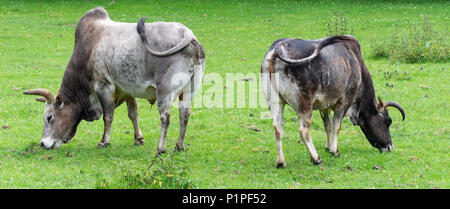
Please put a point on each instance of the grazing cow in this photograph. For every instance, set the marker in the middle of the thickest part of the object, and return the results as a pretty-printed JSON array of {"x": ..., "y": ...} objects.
[
  {"x": 116, "y": 62},
  {"x": 325, "y": 74}
]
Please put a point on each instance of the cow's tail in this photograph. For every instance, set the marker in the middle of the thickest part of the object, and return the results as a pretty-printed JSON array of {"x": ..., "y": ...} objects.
[
  {"x": 187, "y": 38},
  {"x": 282, "y": 54},
  {"x": 199, "y": 65}
]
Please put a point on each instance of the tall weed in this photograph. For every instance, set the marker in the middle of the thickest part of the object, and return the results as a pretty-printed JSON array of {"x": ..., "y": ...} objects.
[
  {"x": 339, "y": 25},
  {"x": 421, "y": 43}
]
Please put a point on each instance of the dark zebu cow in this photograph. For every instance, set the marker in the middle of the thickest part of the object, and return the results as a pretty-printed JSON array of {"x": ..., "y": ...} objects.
[
  {"x": 324, "y": 74},
  {"x": 113, "y": 62}
]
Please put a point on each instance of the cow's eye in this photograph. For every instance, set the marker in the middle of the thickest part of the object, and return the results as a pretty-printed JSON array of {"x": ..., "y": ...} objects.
[
  {"x": 49, "y": 118},
  {"x": 388, "y": 121}
]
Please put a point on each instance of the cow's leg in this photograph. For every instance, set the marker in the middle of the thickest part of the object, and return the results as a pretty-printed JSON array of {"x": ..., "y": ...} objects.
[
  {"x": 185, "y": 112},
  {"x": 185, "y": 100},
  {"x": 107, "y": 102},
  {"x": 304, "y": 129},
  {"x": 270, "y": 85},
  {"x": 168, "y": 87},
  {"x": 164, "y": 113},
  {"x": 336, "y": 126},
  {"x": 133, "y": 115},
  {"x": 276, "y": 110},
  {"x": 327, "y": 124}
]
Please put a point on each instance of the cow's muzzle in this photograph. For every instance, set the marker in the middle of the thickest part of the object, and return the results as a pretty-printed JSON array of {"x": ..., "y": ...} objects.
[
  {"x": 50, "y": 143},
  {"x": 388, "y": 148}
]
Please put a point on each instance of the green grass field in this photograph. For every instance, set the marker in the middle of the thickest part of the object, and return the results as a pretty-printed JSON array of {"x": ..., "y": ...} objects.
[{"x": 224, "y": 151}]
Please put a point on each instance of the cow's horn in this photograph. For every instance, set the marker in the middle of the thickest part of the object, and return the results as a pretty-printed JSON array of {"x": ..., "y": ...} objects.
[
  {"x": 42, "y": 92},
  {"x": 41, "y": 99},
  {"x": 396, "y": 105}
]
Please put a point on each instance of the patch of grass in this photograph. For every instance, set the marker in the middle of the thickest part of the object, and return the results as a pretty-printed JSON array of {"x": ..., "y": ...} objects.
[
  {"x": 164, "y": 172},
  {"x": 226, "y": 151},
  {"x": 420, "y": 43}
]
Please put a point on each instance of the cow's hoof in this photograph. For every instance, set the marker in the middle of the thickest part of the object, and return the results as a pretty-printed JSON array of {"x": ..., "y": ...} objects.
[
  {"x": 139, "y": 141},
  {"x": 336, "y": 154},
  {"x": 160, "y": 151},
  {"x": 281, "y": 164},
  {"x": 179, "y": 148},
  {"x": 102, "y": 145},
  {"x": 317, "y": 161}
]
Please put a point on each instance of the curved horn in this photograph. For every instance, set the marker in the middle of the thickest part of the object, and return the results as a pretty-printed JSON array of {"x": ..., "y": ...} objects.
[
  {"x": 41, "y": 99},
  {"x": 396, "y": 105},
  {"x": 42, "y": 92}
]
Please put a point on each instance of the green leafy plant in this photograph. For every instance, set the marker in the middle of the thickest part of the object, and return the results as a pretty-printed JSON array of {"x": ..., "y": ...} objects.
[
  {"x": 421, "y": 43},
  {"x": 396, "y": 75},
  {"x": 164, "y": 172},
  {"x": 339, "y": 25}
]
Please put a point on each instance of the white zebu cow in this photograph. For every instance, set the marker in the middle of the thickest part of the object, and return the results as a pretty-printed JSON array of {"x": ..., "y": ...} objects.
[{"x": 113, "y": 62}]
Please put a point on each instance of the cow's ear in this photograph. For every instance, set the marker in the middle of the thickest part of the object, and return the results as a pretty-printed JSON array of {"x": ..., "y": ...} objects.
[
  {"x": 59, "y": 104},
  {"x": 380, "y": 105}
]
